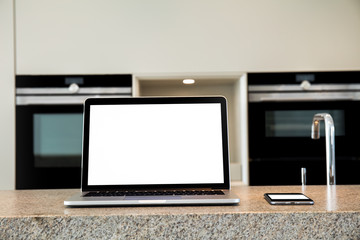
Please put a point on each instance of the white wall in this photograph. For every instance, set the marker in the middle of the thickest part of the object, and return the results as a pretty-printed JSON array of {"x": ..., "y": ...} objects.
[
  {"x": 111, "y": 36},
  {"x": 126, "y": 36},
  {"x": 7, "y": 107}
]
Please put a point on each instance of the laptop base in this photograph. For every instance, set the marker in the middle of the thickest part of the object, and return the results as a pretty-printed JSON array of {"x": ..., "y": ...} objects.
[{"x": 77, "y": 200}]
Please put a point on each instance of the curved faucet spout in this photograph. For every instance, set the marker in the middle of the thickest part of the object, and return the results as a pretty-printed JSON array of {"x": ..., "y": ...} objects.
[{"x": 330, "y": 143}]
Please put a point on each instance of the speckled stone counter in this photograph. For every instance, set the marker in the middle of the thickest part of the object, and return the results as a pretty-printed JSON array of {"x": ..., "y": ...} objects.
[{"x": 40, "y": 214}]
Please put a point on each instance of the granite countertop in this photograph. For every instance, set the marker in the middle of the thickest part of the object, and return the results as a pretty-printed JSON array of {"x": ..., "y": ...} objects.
[{"x": 41, "y": 214}]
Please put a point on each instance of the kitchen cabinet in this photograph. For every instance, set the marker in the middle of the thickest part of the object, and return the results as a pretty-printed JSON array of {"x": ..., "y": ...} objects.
[{"x": 119, "y": 36}]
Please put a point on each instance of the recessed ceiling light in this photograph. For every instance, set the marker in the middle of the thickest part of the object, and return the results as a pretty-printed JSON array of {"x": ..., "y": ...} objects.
[{"x": 188, "y": 81}]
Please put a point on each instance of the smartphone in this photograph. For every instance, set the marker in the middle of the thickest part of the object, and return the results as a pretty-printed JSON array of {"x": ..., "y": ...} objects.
[{"x": 288, "y": 199}]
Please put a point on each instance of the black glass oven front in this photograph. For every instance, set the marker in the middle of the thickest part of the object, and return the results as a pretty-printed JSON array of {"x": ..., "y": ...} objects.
[
  {"x": 48, "y": 144},
  {"x": 280, "y": 142}
]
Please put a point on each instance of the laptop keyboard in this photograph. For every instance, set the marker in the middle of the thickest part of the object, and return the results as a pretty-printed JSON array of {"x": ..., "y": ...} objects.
[{"x": 153, "y": 193}]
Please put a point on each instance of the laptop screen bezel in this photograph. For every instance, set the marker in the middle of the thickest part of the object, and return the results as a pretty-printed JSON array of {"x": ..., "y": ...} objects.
[{"x": 154, "y": 100}]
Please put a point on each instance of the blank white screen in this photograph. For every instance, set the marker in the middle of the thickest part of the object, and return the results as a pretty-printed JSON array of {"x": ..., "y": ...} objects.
[
  {"x": 155, "y": 144},
  {"x": 288, "y": 196}
]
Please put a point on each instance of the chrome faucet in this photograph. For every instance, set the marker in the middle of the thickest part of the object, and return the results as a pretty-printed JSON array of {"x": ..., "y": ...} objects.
[{"x": 330, "y": 143}]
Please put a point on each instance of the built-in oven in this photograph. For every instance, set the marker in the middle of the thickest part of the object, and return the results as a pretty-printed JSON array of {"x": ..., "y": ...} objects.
[
  {"x": 281, "y": 107},
  {"x": 49, "y": 125}
]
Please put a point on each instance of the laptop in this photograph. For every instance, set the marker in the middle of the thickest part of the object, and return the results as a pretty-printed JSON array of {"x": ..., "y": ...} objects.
[{"x": 154, "y": 151}]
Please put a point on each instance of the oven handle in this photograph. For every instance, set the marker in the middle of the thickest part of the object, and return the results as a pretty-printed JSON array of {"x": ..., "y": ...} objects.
[
  {"x": 60, "y": 100},
  {"x": 304, "y": 86},
  {"x": 74, "y": 89},
  {"x": 303, "y": 99},
  {"x": 296, "y": 97}
]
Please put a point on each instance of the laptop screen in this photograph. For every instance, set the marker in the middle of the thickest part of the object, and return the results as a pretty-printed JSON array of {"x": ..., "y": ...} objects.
[{"x": 144, "y": 141}]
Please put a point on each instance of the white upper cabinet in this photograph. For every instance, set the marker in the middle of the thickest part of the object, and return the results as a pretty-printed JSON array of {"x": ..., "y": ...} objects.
[{"x": 118, "y": 36}]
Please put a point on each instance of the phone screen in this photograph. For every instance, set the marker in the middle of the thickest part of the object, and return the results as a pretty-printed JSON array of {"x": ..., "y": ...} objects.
[{"x": 288, "y": 197}]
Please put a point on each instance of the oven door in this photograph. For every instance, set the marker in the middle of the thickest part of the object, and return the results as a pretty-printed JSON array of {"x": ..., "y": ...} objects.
[
  {"x": 280, "y": 142},
  {"x": 48, "y": 146}
]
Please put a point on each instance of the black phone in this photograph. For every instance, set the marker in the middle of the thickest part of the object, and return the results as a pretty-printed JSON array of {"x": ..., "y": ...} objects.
[{"x": 288, "y": 199}]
